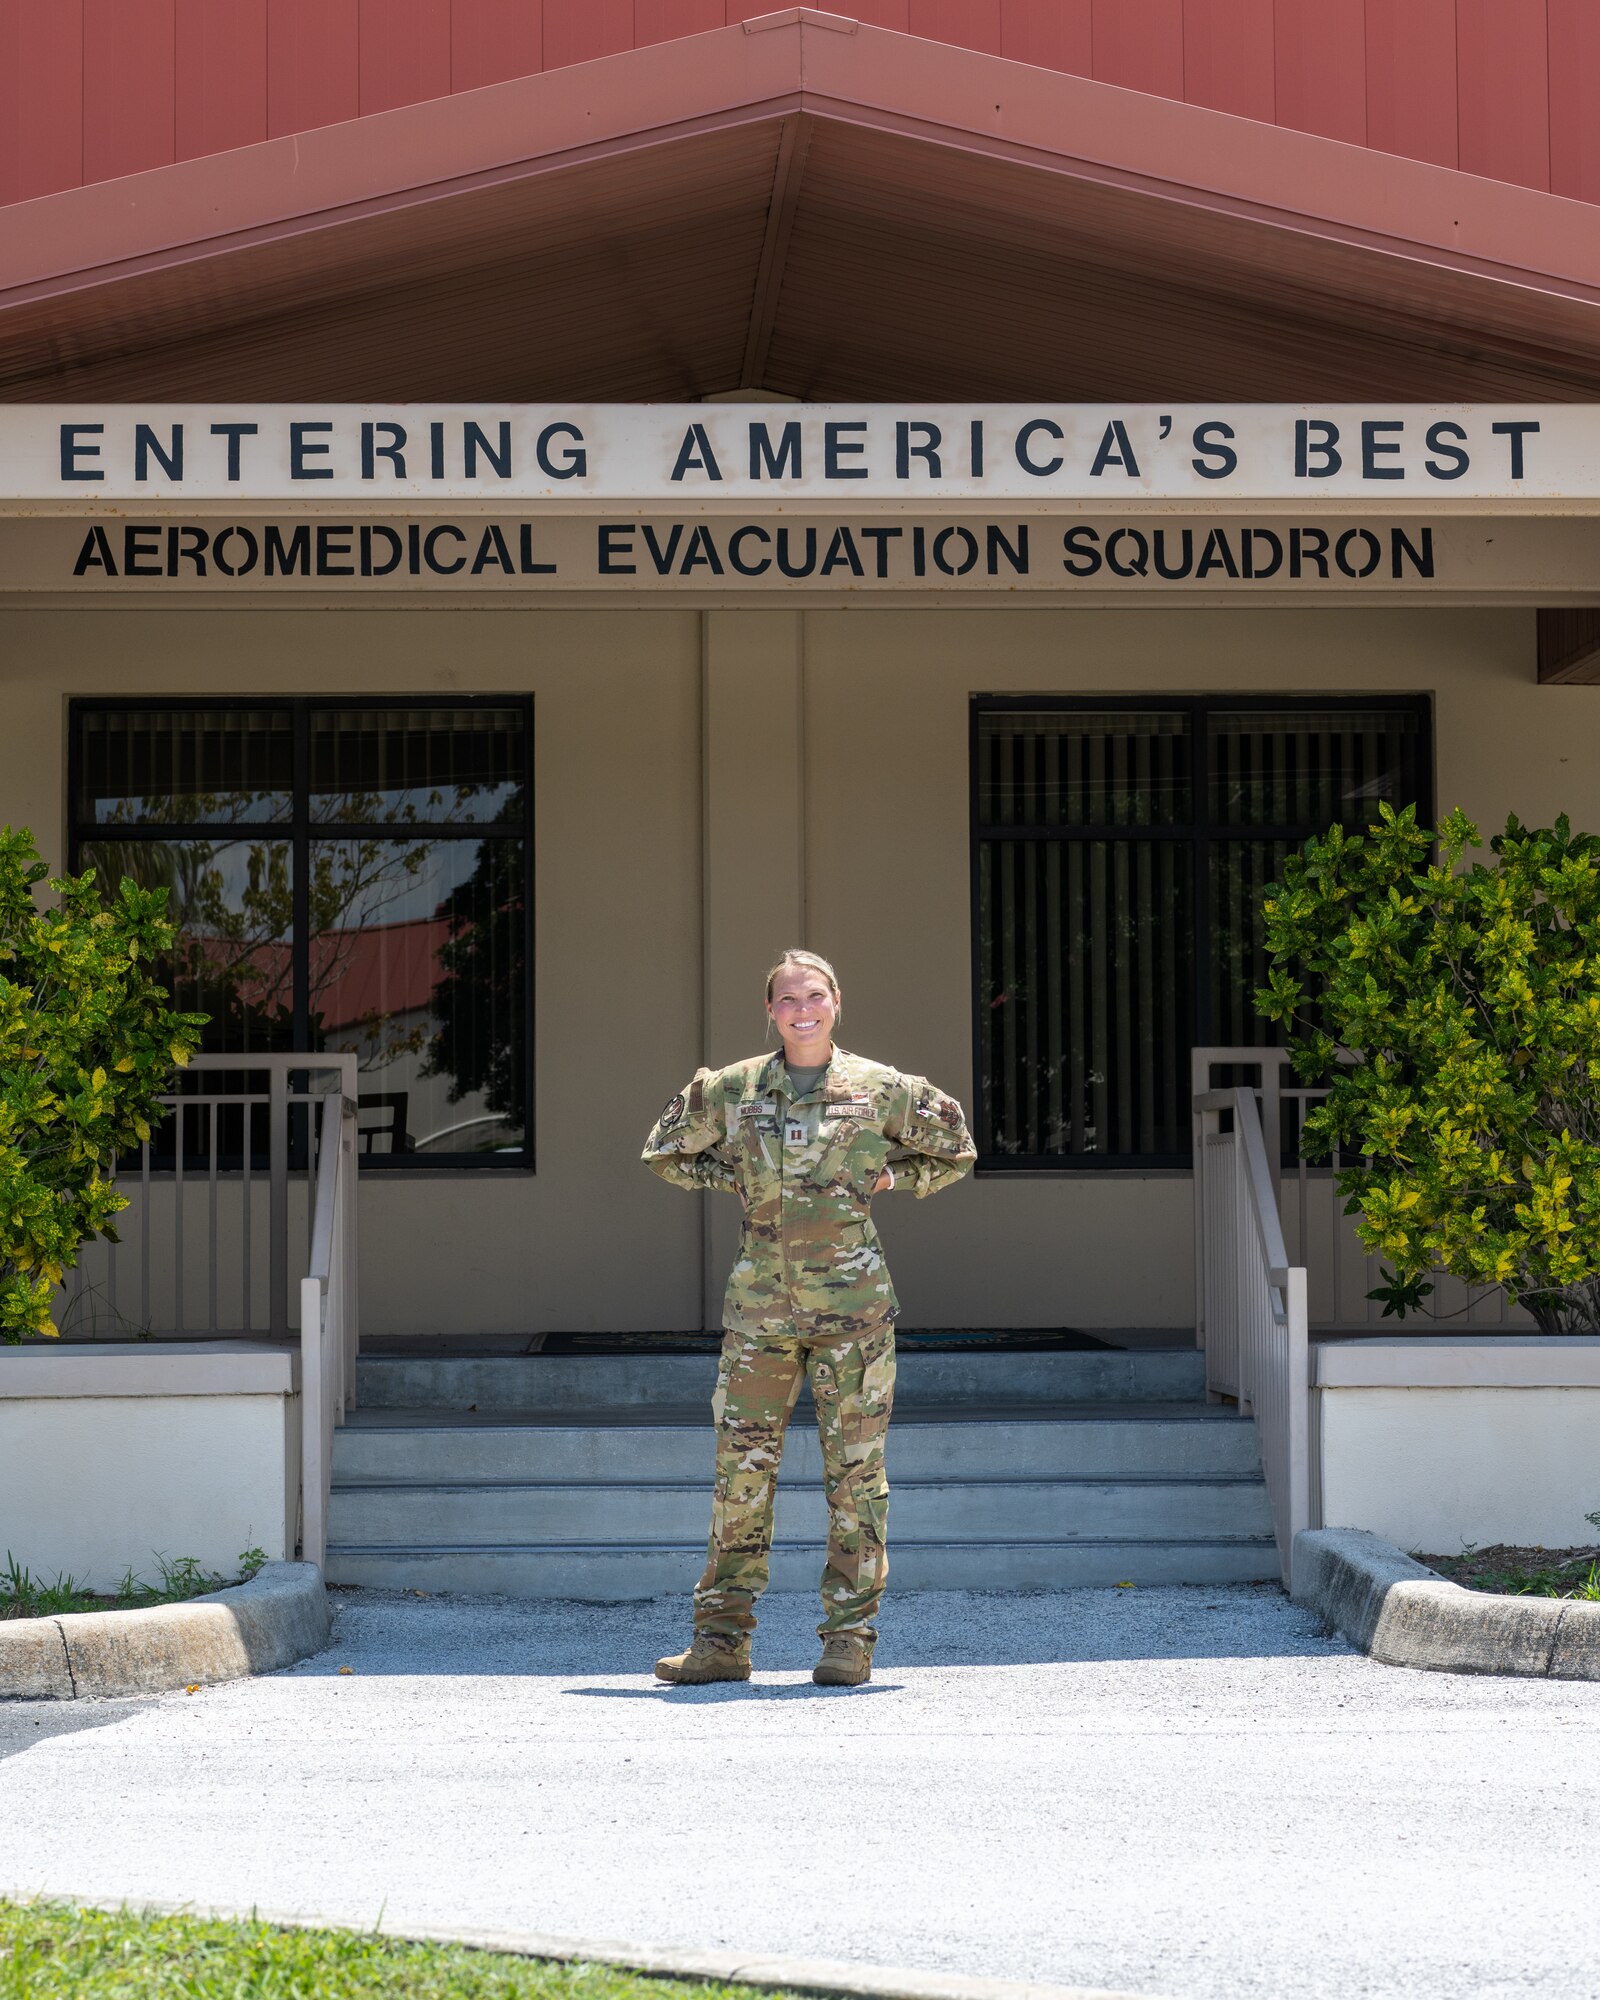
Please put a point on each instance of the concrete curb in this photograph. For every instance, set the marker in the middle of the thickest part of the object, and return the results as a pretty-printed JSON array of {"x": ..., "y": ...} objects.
[
  {"x": 279, "y": 1617},
  {"x": 1408, "y": 1616},
  {"x": 830, "y": 1979}
]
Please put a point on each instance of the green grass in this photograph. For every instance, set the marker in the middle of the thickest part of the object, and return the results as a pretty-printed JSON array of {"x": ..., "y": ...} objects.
[
  {"x": 23, "y": 1595},
  {"x": 55, "y": 1951}
]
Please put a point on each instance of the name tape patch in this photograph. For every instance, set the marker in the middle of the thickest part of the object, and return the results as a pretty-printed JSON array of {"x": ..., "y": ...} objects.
[{"x": 764, "y": 1107}]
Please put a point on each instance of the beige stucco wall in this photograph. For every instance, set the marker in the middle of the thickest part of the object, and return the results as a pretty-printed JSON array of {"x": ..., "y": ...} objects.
[{"x": 820, "y": 759}]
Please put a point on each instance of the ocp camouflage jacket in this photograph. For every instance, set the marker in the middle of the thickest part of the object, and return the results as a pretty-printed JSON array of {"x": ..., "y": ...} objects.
[{"x": 803, "y": 1168}]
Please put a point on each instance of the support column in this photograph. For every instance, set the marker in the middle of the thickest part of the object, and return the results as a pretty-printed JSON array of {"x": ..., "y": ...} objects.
[{"x": 753, "y": 867}]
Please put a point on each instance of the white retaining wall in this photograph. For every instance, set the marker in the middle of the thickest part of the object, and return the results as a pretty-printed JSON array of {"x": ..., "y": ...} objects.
[
  {"x": 110, "y": 1456},
  {"x": 1434, "y": 1441}
]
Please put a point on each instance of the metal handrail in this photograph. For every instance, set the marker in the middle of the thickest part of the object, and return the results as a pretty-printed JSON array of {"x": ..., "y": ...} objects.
[
  {"x": 1341, "y": 1273},
  {"x": 329, "y": 1327},
  {"x": 1252, "y": 1304}
]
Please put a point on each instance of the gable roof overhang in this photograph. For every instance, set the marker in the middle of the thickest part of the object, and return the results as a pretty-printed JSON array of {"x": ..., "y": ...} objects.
[{"x": 806, "y": 206}]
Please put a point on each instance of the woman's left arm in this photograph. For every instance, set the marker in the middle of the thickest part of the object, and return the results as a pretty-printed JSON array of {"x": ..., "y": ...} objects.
[{"x": 933, "y": 1147}]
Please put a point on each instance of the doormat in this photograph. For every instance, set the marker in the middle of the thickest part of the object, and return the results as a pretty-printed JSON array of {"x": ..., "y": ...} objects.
[{"x": 976, "y": 1339}]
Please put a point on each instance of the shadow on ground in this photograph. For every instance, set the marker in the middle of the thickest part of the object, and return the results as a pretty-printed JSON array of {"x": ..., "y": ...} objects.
[
  {"x": 395, "y": 1633},
  {"x": 26, "y": 1724}
]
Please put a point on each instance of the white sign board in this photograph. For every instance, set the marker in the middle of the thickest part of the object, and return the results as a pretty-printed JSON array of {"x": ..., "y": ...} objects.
[{"x": 719, "y": 458}]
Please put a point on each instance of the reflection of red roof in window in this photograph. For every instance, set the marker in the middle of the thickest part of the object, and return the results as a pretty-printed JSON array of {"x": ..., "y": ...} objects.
[{"x": 382, "y": 969}]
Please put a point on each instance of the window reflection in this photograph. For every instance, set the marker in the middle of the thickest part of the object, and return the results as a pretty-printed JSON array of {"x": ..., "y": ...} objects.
[
  {"x": 372, "y": 899},
  {"x": 416, "y": 968}
]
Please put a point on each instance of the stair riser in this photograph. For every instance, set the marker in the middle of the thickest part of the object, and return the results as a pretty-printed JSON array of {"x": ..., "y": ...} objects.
[
  {"x": 1081, "y": 1449},
  {"x": 639, "y": 1382},
  {"x": 624, "y": 1575},
  {"x": 453, "y": 1516}
]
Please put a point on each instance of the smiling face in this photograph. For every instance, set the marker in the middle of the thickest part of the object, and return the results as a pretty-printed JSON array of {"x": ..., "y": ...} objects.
[{"x": 805, "y": 1008}]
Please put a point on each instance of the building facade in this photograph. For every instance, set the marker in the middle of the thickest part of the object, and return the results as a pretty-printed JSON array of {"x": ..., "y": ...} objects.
[{"x": 515, "y": 532}]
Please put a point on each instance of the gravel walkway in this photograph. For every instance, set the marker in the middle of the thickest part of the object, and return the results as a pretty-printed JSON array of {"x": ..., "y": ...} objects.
[{"x": 1180, "y": 1792}]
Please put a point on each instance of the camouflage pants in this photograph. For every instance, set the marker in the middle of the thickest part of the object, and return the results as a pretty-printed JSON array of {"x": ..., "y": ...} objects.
[{"x": 758, "y": 1385}]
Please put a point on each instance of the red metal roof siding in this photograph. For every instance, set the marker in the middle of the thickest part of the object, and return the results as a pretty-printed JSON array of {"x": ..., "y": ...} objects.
[
  {"x": 668, "y": 20},
  {"x": 1497, "y": 87},
  {"x": 1059, "y": 37},
  {"x": 1411, "y": 79},
  {"x": 313, "y": 64},
  {"x": 1503, "y": 90},
  {"x": 491, "y": 40},
  {"x": 579, "y": 31},
  {"x": 964, "y": 24},
  {"x": 129, "y": 86},
  {"x": 1575, "y": 99},
  {"x": 405, "y": 52},
  {"x": 1228, "y": 57},
  {"x": 1138, "y": 44},
  {"x": 1320, "y": 67},
  {"x": 41, "y": 98},
  {"x": 221, "y": 76}
]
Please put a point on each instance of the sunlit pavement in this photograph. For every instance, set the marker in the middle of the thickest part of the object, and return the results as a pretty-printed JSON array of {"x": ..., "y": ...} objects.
[{"x": 1184, "y": 1792}]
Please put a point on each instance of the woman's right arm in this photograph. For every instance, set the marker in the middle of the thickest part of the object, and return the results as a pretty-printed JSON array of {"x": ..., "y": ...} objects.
[{"x": 688, "y": 1142}]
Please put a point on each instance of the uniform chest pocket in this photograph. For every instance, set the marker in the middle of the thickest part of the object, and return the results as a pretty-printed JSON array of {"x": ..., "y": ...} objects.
[
  {"x": 758, "y": 1141},
  {"x": 855, "y": 1153}
]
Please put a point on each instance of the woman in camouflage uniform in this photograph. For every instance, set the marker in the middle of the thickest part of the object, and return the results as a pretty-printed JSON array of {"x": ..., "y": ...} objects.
[{"x": 805, "y": 1137}]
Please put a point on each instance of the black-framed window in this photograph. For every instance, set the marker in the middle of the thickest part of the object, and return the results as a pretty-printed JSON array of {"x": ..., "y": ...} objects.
[
  {"x": 347, "y": 875},
  {"x": 1119, "y": 852}
]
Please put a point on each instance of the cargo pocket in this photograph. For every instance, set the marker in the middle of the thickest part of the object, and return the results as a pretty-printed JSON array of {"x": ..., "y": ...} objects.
[{"x": 866, "y": 1402}]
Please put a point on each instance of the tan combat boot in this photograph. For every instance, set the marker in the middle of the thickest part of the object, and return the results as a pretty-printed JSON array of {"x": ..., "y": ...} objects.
[
  {"x": 846, "y": 1661},
  {"x": 706, "y": 1660}
]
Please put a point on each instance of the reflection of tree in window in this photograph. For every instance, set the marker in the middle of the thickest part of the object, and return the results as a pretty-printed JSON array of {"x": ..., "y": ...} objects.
[
  {"x": 399, "y": 939},
  {"x": 234, "y": 905},
  {"x": 478, "y": 999}
]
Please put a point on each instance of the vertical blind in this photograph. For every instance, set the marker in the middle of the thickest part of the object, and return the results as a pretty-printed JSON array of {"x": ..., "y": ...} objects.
[{"x": 1120, "y": 856}]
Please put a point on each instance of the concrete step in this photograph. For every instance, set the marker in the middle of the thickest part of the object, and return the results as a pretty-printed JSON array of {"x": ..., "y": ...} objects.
[
  {"x": 641, "y": 1515},
  {"x": 1074, "y": 1440},
  {"x": 599, "y": 1575},
  {"x": 554, "y": 1383}
]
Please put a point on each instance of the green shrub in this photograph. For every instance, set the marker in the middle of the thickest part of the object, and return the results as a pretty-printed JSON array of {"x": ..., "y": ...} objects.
[
  {"x": 86, "y": 1048},
  {"x": 1456, "y": 1010}
]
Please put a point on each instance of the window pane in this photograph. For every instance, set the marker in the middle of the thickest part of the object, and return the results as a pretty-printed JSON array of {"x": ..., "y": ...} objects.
[
  {"x": 1085, "y": 1019},
  {"x": 169, "y": 767},
  {"x": 232, "y": 903},
  {"x": 416, "y": 766},
  {"x": 1080, "y": 769},
  {"x": 417, "y": 966},
  {"x": 1305, "y": 769},
  {"x": 1240, "y": 872}
]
